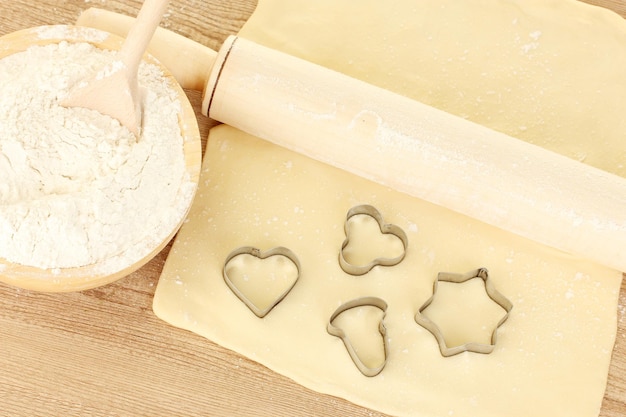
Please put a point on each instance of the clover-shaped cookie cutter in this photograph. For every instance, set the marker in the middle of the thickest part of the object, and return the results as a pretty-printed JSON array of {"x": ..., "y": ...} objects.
[
  {"x": 385, "y": 228},
  {"x": 336, "y": 331},
  {"x": 257, "y": 253},
  {"x": 492, "y": 293}
]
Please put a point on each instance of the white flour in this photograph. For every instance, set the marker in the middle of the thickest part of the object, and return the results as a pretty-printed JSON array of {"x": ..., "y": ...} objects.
[{"x": 75, "y": 187}]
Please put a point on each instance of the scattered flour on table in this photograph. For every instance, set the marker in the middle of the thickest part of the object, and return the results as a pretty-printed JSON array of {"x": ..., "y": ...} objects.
[{"x": 76, "y": 187}]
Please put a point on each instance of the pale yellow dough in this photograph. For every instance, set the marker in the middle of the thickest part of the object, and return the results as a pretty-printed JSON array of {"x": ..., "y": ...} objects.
[
  {"x": 552, "y": 354},
  {"x": 550, "y": 72}
]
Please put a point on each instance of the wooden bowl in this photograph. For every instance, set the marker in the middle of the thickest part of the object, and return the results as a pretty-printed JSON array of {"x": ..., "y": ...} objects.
[{"x": 109, "y": 269}]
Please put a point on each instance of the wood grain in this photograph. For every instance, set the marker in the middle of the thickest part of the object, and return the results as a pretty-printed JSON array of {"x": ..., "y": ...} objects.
[{"x": 102, "y": 352}]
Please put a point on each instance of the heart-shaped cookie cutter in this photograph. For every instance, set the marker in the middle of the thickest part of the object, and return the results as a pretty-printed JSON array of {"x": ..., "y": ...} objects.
[
  {"x": 492, "y": 293},
  {"x": 257, "y": 253},
  {"x": 385, "y": 228},
  {"x": 336, "y": 331}
]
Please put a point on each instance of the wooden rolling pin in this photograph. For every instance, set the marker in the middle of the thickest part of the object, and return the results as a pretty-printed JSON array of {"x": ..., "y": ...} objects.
[{"x": 404, "y": 144}]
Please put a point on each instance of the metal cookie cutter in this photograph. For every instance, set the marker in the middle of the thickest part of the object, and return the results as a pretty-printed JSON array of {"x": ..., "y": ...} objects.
[
  {"x": 336, "y": 331},
  {"x": 493, "y": 294},
  {"x": 257, "y": 253},
  {"x": 385, "y": 228}
]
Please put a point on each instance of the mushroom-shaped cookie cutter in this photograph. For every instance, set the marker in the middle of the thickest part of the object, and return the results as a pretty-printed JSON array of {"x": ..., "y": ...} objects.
[
  {"x": 385, "y": 228},
  {"x": 257, "y": 253},
  {"x": 336, "y": 331},
  {"x": 492, "y": 293}
]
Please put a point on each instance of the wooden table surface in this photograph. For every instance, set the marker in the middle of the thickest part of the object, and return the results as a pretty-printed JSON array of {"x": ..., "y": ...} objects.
[{"x": 103, "y": 352}]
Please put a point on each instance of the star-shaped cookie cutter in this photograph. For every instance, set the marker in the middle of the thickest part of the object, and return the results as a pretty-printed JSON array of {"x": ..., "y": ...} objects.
[
  {"x": 336, "y": 331},
  {"x": 492, "y": 293},
  {"x": 385, "y": 228}
]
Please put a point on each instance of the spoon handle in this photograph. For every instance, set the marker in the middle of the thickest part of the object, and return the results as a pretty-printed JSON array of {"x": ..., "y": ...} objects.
[
  {"x": 141, "y": 32},
  {"x": 189, "y": 61}
]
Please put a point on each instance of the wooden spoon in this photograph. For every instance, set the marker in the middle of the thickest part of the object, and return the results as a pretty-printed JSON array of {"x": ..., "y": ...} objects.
[{"x": 114, "y": 90}]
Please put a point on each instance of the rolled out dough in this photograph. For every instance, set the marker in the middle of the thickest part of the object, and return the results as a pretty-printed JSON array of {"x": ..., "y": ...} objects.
[
  {"x": 550, "y": 72},
  {"x": 553, "y": 352}
]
